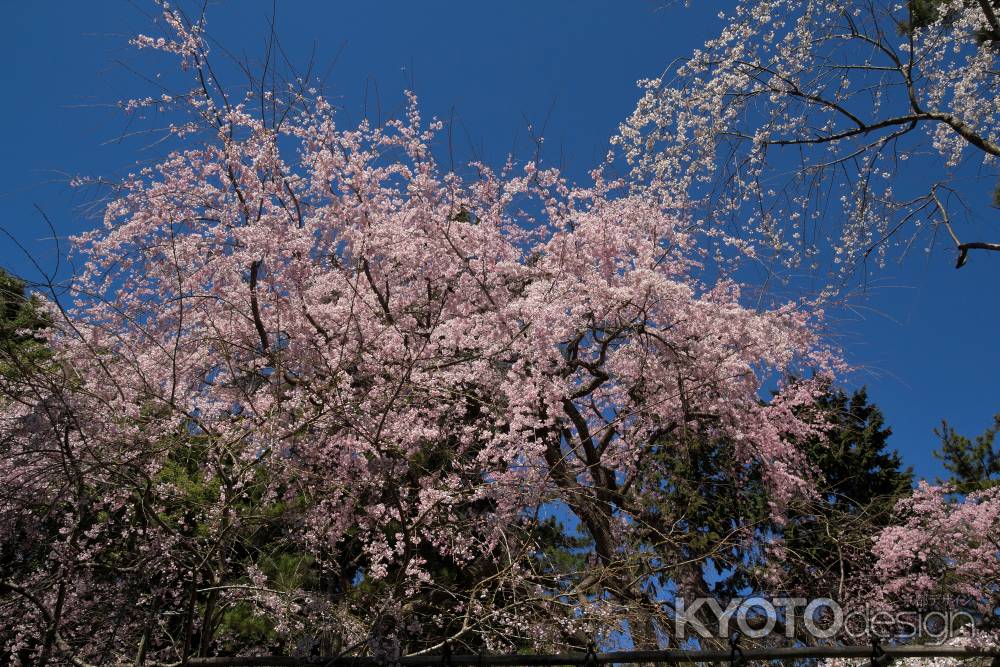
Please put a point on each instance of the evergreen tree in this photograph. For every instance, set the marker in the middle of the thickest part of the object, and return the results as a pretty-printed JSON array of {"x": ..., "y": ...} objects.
[
  {"x": 21, "y": 323},
  {"x": 974, "y": 464},
  {"x": 22, "y": 353},
  {"x": 826, "y": 542},
  {"x": 924, "y": 13},
  {"x": 829, "y": 539}
]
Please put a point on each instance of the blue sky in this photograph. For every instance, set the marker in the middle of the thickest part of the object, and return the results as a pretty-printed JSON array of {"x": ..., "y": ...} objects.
[{"x": 924, "y": 338}]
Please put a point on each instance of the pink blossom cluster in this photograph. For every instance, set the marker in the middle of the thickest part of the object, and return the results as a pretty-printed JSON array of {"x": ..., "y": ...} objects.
[
  {"x": 392, "y": 366},
  {"x": 292, "y": 342},
  {"x": 794, "y": 124},
  {"x": 943, "y": 545}
]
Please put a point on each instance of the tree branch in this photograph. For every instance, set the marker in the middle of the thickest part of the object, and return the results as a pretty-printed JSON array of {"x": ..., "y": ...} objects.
[
  {"x": 991, "y": 18},
  {"x": 964, "y": 248},
  {"x": 258, "y": 323}
]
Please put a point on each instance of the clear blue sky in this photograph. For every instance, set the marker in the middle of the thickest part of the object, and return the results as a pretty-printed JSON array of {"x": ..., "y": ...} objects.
[{"x": 925, "y": 341}]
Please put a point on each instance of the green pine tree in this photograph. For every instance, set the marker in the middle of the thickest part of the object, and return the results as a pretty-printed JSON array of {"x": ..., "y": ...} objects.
[
  {"x": 974, "y": 464},
  {"x": 22, "y": 347},
  {"x": 716, "y": 514},
  {"x": 829, "y": 539}
]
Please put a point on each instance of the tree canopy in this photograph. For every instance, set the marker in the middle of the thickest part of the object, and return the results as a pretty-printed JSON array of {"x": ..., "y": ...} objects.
[
  {"x": 830, "y": 136},
  {"x": 311, "y": 393}
]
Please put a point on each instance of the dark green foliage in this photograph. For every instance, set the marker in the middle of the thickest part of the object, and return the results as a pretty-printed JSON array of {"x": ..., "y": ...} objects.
[
  {"x": 706, "y": 535},
  {"x": 974, "y": 464},
  {"x": 714, "y": 499},
  {"x": 240, "y": 628},
  {"x": 856, "y": 467},
  {"x": 829, "y": 539},
  {"x": 21, "y": 323},
  {"x": 923, "y": 13},
  {"x": 713, "y": 505},
  {"x": 17, "y": 310}
]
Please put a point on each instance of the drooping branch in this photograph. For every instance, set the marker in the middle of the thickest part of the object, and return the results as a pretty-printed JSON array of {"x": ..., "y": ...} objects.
[
  {"x": 793, "y": 75},
  {"x": 964, "y": 248}
]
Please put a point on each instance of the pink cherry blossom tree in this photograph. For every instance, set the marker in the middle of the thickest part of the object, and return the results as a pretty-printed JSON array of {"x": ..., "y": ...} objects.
[
  {"x": 827, "y": 137},
  {"x": 940, "y": 556},
  {"x": 311, "y": 386},
  {"x": 943, "y": 546},
  {"x": 821, "y": 135}
]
